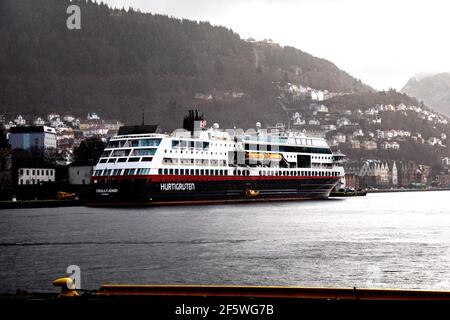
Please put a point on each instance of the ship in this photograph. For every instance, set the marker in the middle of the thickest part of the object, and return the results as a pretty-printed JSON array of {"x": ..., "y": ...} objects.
[{"x": 197, "y": 164}]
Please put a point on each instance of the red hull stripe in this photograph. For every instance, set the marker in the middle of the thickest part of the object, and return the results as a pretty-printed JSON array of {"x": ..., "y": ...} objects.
[{"x": 165, "y": 178}]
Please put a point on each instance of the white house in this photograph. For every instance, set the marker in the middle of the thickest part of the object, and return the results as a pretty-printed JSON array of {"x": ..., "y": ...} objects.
[
  {"x": 314, "y": 122},
  {"x": 343, "y": 122},
  {"x": 80, "y": 173},
  {"x": 390, "y": 145},
  {"x": 340, "y": 138},
  {"x": 93, "y": 116},
  {"x": 321, "y": 108},
  {"x": 369, "y": 145},
  {"x": 35, "y": 176},
  {"x": 20, "y": 121},
  {"x": 433, "y": 141},
  {"x": 39, "y": 121}
]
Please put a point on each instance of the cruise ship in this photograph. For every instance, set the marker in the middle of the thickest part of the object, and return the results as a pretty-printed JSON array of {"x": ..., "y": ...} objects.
[{"x": 197, "y": 164}]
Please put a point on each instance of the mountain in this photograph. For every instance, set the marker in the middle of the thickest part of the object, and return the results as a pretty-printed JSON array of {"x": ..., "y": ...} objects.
[
  {"x": 434, "y": 90},
  {"x": 122, "y": 61}
]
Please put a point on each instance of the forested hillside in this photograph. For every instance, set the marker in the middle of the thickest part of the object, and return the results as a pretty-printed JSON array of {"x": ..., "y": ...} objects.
[{"x": 122, "y": 60}]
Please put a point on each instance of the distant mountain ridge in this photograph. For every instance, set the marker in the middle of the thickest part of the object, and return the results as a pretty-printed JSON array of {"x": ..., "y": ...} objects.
[
  {"x": 121, "y": 61},
  {"x": 434, "y": 90}
]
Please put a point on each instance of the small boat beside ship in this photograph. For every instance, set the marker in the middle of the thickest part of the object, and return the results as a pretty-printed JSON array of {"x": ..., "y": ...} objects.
[{"x": 348, "y": 193}]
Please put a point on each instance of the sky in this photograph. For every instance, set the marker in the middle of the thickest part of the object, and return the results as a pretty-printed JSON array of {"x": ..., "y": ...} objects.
[{"x": 381, "y": 42}]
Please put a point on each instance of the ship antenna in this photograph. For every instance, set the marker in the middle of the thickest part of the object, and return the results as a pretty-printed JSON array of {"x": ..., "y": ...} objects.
[{"x": 143, "y": 116}]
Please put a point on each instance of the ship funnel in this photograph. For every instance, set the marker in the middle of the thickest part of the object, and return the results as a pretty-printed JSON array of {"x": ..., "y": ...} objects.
[{"x": 194, "y": 122}]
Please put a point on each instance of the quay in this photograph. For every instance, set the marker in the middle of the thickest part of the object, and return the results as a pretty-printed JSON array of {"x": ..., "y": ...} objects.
[
  {"x": 50, "y": 203},
  {"x": 265, "y": 302}
]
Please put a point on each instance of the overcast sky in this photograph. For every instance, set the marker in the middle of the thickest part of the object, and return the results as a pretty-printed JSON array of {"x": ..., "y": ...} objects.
[{"x": 381, "y": 42}]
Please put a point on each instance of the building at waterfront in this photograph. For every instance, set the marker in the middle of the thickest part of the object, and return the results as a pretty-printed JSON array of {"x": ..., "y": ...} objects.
[
  {"x": 371, "y": 174},
  {"x": 406, "y": 173},
  {"x": 5, "y": 162},
  {"x": 33, "y": 138},
  {"x": 80, "y": 172},
  {"x": 35, "y": 176}
]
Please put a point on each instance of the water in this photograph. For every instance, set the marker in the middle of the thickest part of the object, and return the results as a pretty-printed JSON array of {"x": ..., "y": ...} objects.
[{"x": 395, "y": 240}]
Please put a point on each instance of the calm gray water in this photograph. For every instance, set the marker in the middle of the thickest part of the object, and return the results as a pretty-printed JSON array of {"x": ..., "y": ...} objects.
[{"x": 397, "y": 240}]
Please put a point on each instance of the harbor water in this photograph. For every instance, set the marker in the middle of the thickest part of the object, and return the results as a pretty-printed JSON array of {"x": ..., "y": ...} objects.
[{"x": 384, "y": 240}]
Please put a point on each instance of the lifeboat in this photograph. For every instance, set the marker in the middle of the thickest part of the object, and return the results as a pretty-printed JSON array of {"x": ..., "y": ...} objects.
[
  {"x": 273, "y": 156},
  {"x": 255, "y": 155}
]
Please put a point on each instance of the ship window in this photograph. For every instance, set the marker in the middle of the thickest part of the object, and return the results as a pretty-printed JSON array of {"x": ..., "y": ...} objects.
[
  {"x": 176, "y": 171},
  {"x": 106, "y": 154},
  {"x": 112, "y": 160},
  {"x": 166, "y": 171},
  {"x": 144, "y": 152},
  {"x": 191, "y": 144},
  {"x": 175, "y": 144},
  {"x": 171, "y": 171},
  {"x": 129, "y": 172},
  {"x": 134, "y": 159},
  {"x": 206, "y": 145},
  {"x": 192, "y": 172},
  {"x": 121, "y": 153},
  {"x": 122, "y": 160},
  {"x": 183, "y": 144},
  {"x": 198, "y": 144},
  {"x": 144, "y": 171},
  {"x": 101, "y": 161},
  {"x": 160, "y": 171},
  {"x": 149, "y": 142},
  {"x": 133, "y": 143},
  {"x": 147, "y": 159}
]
